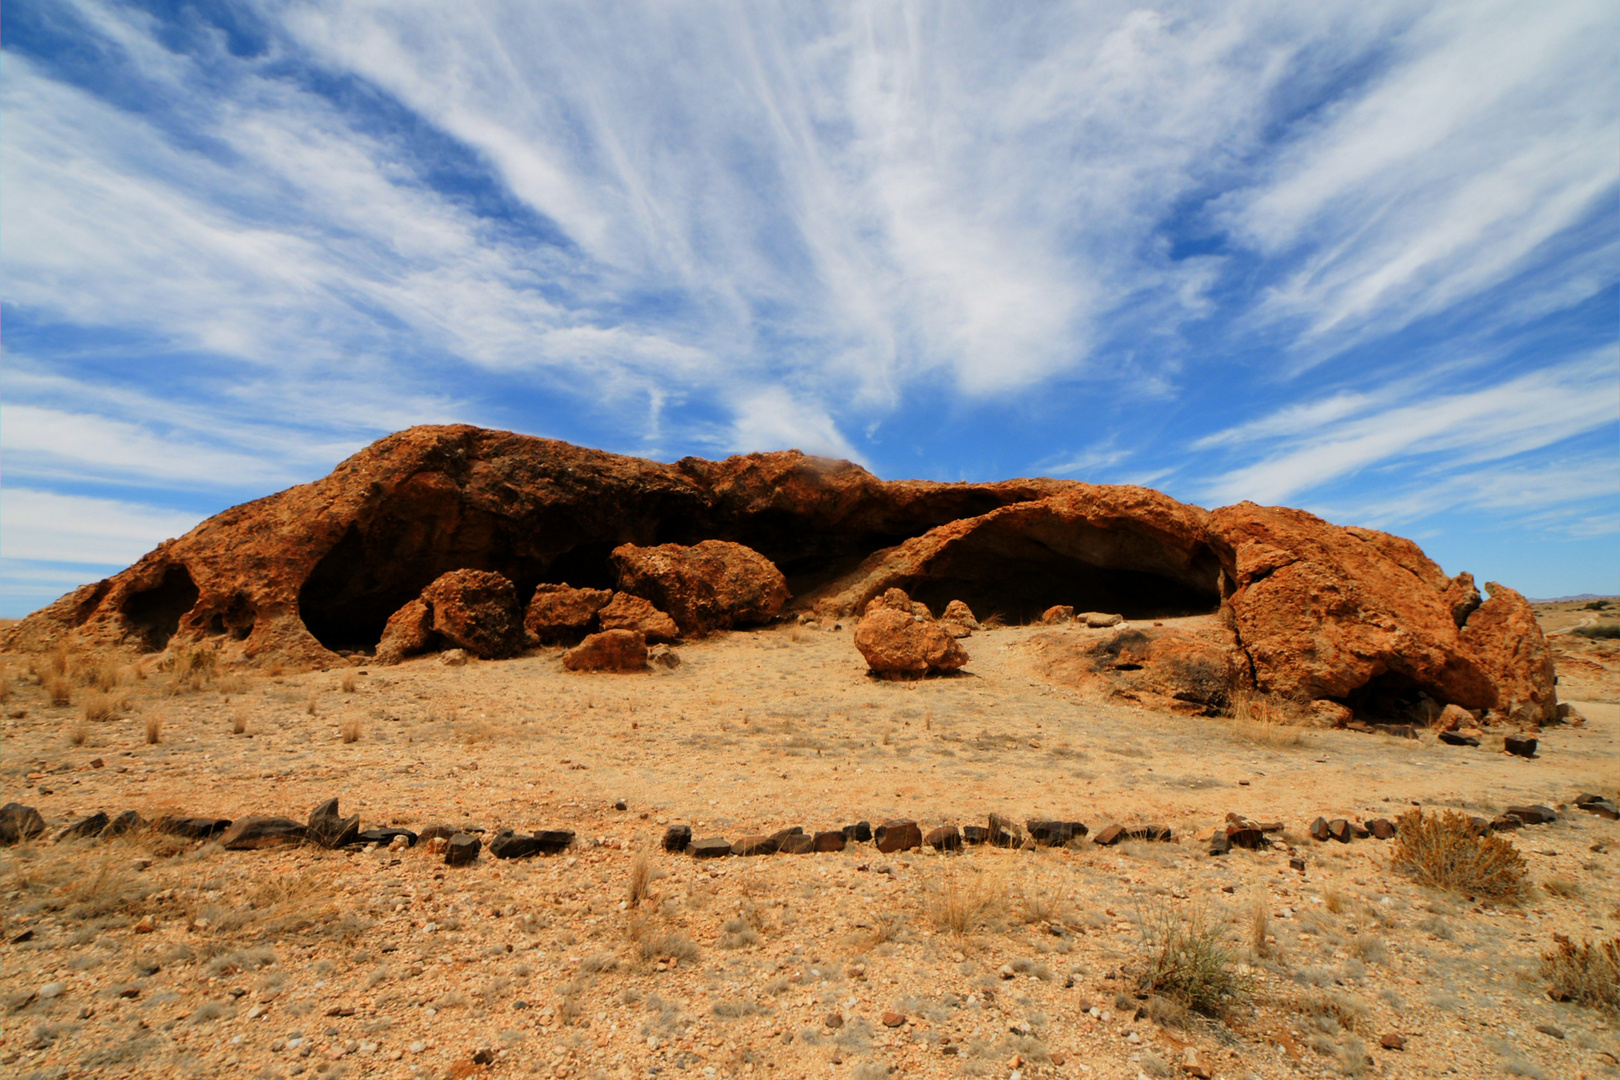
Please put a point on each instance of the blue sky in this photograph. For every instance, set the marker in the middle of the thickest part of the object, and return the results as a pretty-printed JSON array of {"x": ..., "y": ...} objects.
[{"x": 1356, "y": 257}]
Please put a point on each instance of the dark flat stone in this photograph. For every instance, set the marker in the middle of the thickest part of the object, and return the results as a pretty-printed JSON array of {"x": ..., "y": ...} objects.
[
  {"x": 385, "y": 836},
  {"x": 975, "y": 834},
  {"x": 1004, "y": 833},
  {"x": 1451, "y": 738},
  {"x": 901, "y": 834},
  {"x": 86, "y": 826},
  {"x": 944, "y": 838},
  {"x": 860, "y": 832},
  {"x": 1522, "y": 745},
  {"x": 713, "y": 847},
  {"x": 830, "y": 840},
  {"x": 677, "y": 837},
  {"x": 1533, "y": 815},
  {"x": 255, "y": 833},
  {"x": 126, "y": 822},
  {"x": 754, "y": 845},
  {"x": 798, "y": 844},
  {"x": 507, "y": 844},
  {"x": 330, "y": 829},
  {"x": 1055, "y": 833},
  {"x": 191, "y": 828},
  {"x": 462, "y": 850},
  {"x": 19, "y": 823}
]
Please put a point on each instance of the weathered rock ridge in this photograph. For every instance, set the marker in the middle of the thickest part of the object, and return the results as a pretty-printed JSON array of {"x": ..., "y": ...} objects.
[{"x": 1314, "y": 611}]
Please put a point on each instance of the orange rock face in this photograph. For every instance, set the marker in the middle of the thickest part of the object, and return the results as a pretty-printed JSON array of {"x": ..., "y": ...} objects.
[
  {"x": 710, "y": 586},
  {"x": 1315, "y": 611}
]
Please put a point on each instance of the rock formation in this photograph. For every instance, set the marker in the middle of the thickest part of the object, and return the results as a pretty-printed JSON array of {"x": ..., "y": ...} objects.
[{"x": 1311, "y": 610}]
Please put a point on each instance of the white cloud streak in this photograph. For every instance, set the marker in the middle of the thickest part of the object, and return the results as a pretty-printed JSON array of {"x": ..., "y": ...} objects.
[{"x": 47, "y": 527}]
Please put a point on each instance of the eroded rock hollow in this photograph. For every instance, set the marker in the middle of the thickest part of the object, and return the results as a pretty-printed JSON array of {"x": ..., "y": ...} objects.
[{"x": 1308, "y": 610}]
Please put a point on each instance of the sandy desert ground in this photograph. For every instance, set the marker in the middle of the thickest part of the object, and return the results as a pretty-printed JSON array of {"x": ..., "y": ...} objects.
[{"x": 148, "y": 955}]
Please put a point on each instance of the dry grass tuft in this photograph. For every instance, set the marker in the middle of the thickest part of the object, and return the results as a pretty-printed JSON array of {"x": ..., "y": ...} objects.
[
  {"x": 79, "y": 731},
  {"x": 1259, "y": 924},
  {"x": 239, "y": 722},
  {"x": 106, "y": 678},
  {"x": 348, "y": 682},
  {"x": 100, "y": 706},
  {"x": 654, "y": 944},
  {"x": 641, "y": 878},
  {"x": 965, "y": 900},
  {"x": 1190, "y": 962},
  {"x": 154, "y": 730},
  {"x": 1257, "y": 720},
  {"x": 1586, "y": 973},
  {"x": 1335, "y": 901},
  {"x": 312, "y": 706},
  {"x": 349, "y": 730},
  {"x": 1442, "y": 852},
  {"x": 1565, "y": 888},
  {"x": 59, "y": 690}
]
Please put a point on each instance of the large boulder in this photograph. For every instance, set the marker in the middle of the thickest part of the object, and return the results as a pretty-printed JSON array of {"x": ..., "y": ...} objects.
[
  {"x": 1194, "y": 668},
  {"x": 1348, "y": 613},
  {"x": 626, "y": 612},
  {"x": 1506, "y": 642},
  {"x": 899, "y": 644},
  {"x": 713, "y": 585},
  {"x": 475, "y": 610},
  {"x": 559, "y": 612}
]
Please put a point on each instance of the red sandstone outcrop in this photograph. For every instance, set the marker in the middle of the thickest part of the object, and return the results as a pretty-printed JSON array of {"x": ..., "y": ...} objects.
[
  {"x": 1316, "y": 611},
  {"x": 1195, "y": 668},
  {"x": 626, "y": 612},
  {"x": 901, "y": 644},
  {"x": 1326, "y": 612},
  {"x": 409, "y": 632},
  {"x": 556, "y": 612},
  {"x": 710, "y": 586}
]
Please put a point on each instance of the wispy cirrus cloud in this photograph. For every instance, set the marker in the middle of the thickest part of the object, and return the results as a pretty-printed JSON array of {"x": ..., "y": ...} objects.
[{"x": 936, "y": 239}]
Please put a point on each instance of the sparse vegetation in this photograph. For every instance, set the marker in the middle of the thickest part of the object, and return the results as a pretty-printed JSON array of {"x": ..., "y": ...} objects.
[
  {"x": 154, "y": 729},
  {"x": 1259, "y": 924},
  {"x": 347, "y": 684},
  {"x": 1566, "y": 888},
  {"x": 100, "y": 706},
  {"x": 1586, "y": 973},
  {"x": 963, "y": 900},
  {"x": 239, "y": 722},
  {"x": 79, "y": 731},
  {"x": 349, "y": 730},
  {"x": 1604, "y": 631},
  {"x": 1256, "y": 719},
  {"x": 1442, "y": 852},
  {"x": 59, "y": 690},
  {"x": 1191, "y": 963}
]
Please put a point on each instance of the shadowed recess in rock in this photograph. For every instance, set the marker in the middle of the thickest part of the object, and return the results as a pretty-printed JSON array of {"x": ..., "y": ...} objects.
[{"x": 154, "y": 614}]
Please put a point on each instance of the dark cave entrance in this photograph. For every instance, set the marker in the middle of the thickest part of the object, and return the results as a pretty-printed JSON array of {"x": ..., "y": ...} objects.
[
  {"x": 1017, "y": 576},
  {"x": 1393, "y": 698},
  {"x": 154, "y": 614}
]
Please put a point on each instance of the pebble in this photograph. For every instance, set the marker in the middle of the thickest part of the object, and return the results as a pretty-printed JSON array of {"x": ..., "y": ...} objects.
[
  {"x": 52, "y": 989},
  {"x": 1545, "y": 1029}
]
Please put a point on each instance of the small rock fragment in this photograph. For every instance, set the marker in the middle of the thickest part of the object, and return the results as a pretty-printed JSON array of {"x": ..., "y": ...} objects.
[
  {"x": 754, "y": 845},
  {"x": 256, "y": 833},
  {"x": 829, "y": 840},
  {"x": 860, "y": 832},
  {"x": 677, "y": 837},
  {"x": 902, "y": 834},
  {"x": 462, "y": 849},
  {"x": 944, "y": 838},
  {"x": 1522, "y": 745},
  {"x": 1452, "y": 738},
  {"x": 1391, "y": 1041},
  {"x": 713, "y": 847},
  {"x": 87, "y": 826},
  {"x": 1382, "y": 828},
  {"x": 1319, "y": 829},
  {"x": 893, "y": 1019},
  {"x": 19, "y": 823}
]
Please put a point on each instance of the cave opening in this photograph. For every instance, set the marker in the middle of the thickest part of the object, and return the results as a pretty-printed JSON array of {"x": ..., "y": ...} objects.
[
  {"x": 1393, "y": 698},
  {"x": 1017, "y": 577},
  {"x": 153, "y": 615}
]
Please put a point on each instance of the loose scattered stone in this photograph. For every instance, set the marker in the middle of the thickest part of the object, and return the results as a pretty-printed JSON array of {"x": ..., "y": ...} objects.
[
  {"x": 713, "y": 847},
  {"x": 19, "y": 823},
  {"x": 611, "y": 650},
  {"x": 462, "y": 849},
  {"x": 893, "y": 1019},
  {"x": 384, "y": 835},
  {"x": 829, "y": 841},
  {"x": 1004, "y": 833},
  {"x": 93, "y": 825},
  {"x": 330, "y": 829},
  {"x": 1533, "y": 815},
  {"x": 1055, "y": 833},
  {"x": 975, "y": 834},
  {"x": 1339, "y": 829},
  {"x": 1522, "y": 745},
  {"x": 1057, "y": 614},
  {"x": 677, "y": 837},
  {"x": 438, "y": 832},
  {"x": 1319, "y": 829},
  {"x": 754, "y": 845},
  {"x": 1545, "y": 1029},
  {"x": 1296, "y": 863},
  {"x": 1099, "y": 620},
  {"x": 1597, "y": 804},
  {"x": 902, "y": 834},
  {"x": 1452, "y": 738},
  {"x": 944, "y": 838},
  {"x": 780, "y": 836},
  {"x": 860, "y": 832},
  {"x": 256, "y": 833},
  {"x": 508, "y": 844},
  {"x": 835, "y": 1020},
  {"x": 1219, "y": 843},
  {"x": 1245, "y": 833},
  {"x": 798, "y": 844},
  {"x": 191, "y": 828},
  {"x": 126, "y": 822},
  {"x": 553, "y": 841},
  {"x": 1391, "y": 1041}
]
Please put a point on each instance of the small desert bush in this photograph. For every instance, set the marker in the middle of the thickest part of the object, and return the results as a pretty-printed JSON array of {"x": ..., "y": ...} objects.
[
  {"x": 1586, "y": 973},
  {"x": 642, "y": 875},
  {"x": 154, "y": 730},
  {"x": 349, "y": 730},
  {"x": 59, "y": 690},
  {"x": 964, "y": 901},
  {"x": 1191, "y": 963},
  {"x": 78, "y": 732},
  {"x": 106, "y": 678},
  {"x": 1441, "y": 851},
  {"x": 1259, "y": 924},
  {"x": 654, "y": 944},
  {"x": 102, "y": 706},
  {"x": 347, "y": 684},
  {"x": 1601, "y": 630},
  {"x": 238, "y": 722}
]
